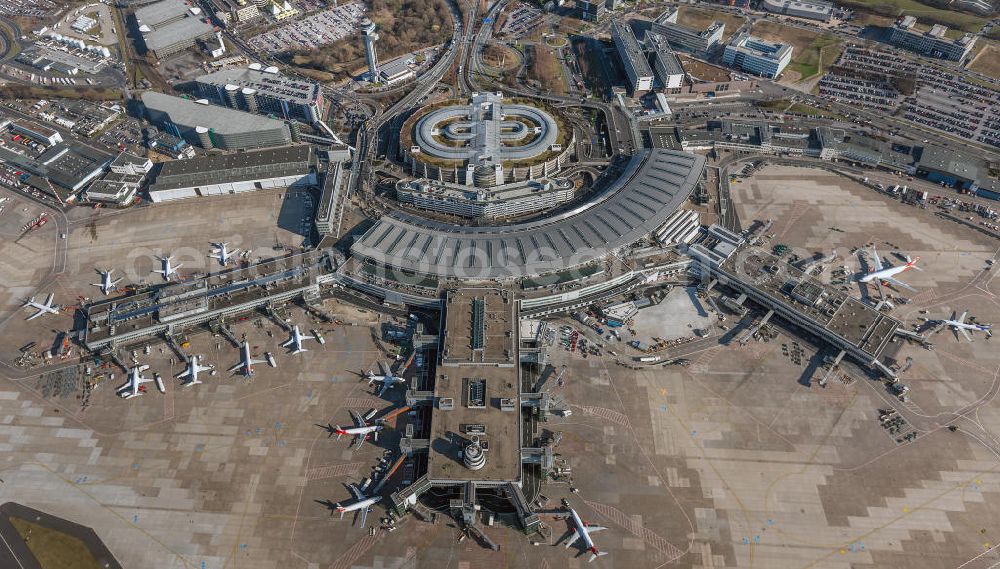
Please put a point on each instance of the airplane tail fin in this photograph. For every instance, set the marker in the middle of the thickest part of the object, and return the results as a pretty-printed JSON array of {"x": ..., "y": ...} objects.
[{"x": 913, "y": 263}]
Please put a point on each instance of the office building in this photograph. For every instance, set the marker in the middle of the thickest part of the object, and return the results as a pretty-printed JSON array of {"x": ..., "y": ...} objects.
[
  {"x": 170, "y": 26},
  {"x": 640, "y": 75},
  {"x": 667, "y": 69},
  {"x": 933, "y": 42},
  {"x": 757, "y": 56},
  {"x": 210, "y": 126},
  {"x": 120, "y": 185},
  {"x": 288, "y": 167},
  {"x": 590, "y": 10},
  {"x": 503, "y": 201},
  {"x": 809, "y": 9},
  {"x": 685, "y": 38},
  {"x": 257, "y": 89}
]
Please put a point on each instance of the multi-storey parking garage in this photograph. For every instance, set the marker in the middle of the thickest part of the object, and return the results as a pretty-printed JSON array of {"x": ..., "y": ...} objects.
[{"x": 486, "y": 142}]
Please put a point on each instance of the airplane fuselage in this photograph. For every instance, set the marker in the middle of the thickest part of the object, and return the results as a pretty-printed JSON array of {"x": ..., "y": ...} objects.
[
  {"x": 581, "y": 530},
  {"x": 358, "y": 431},
  {"x": 366, "y": 503}
]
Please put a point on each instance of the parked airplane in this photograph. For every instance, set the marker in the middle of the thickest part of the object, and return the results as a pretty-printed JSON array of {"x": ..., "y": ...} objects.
[
  {"x": 958, "y": 325},
  {"x": 361, "y": 504},
  {"x": 42, "y": 307},
  {"x": 387, "y": 378},
  {"x": 886, "y": 275},
  {"x": 107, "y": 285},
  {"x": 194, "y": 367},
  {"x": 245, "y": 366},
  {"x": 222, "y": 253},
  {"x": 168, "y": 267},
  {"x": 130, "y": 388},
  {"x": 361, "y": 429},
  {"x": 582, "y": 531},
  {"x": 296, "y": 341}
]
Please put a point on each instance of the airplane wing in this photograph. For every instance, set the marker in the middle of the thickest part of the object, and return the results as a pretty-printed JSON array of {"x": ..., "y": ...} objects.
[
  {"x": 383, "y": 388},
  {"x": 252, "y": 362},
  {"x": 358, "y": 421},
  {"x": 204, "y": 368},
  {"x": 184, "y": 373},
  {"x": 595, "y": 529},
  {"x": 876, "y": 259},
  {"x": 356, "y": 492},
  {"x": 48, "y": 300},
  {"x": 287, "y": 343},
  {"x": 36, "y": 315},
  {"x": 961, "y": 318},
  {"x": 358, "y": 441},
  {"x": 966, "y": 334},
  {"x": 364, "y": 514},
  {"x": 236, "y": 367},
  {"x": 572, "y": 539},
  {"x": 899, "y": 284}
]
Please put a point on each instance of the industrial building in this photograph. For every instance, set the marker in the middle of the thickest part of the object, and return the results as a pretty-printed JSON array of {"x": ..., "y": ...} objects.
[
  {"x": 809, "y": 9},
  {"x": 121, "y": 184},
  {"x": 640, "y": 74},
  {"x": 688, "y": 39},
  {"x": 36, "y": 132},
  {"x": 502, "y": 201},
  {"x": 757, "y": 56},
  {"x": 258, "y": 89},
  {"x": 62, "y": 170},
  {"x": 288, "y": 167},
  {"x": 960, "y": 169},
  {"x": 170, "y": 26},
  {"x": 933, "y": 42},
  {"x": 210, "y": 126}
]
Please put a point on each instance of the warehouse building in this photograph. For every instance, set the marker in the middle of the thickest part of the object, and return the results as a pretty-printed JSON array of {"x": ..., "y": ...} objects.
[
  {"x": 933, "y": 42},
  {"x": 170, "y": 26},
  {"x": 288, "y": 167},
  {"x": 210, "y": 126},
  {"x": 757, "y": 56},
  {"x": 685, "y": 38},
  {"x": 258, "y": 89},
  {"x": 640, "y": 74},
  {"x": 809, "y": 9},
  {"x": 121, "y": 184},
  {"x": 69, "y": 166}
]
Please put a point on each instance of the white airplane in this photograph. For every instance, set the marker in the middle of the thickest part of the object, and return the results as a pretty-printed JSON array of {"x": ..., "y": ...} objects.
[
  {"x": 106, "y": 284},
  {"x": 42, "y": 307},
  {"x": 246, "y": 361},
  {"x": 360, "y": 431},
  {"x": 583, "y": 531},
  {"x": 130, "y": 388},
  {"x": 222, "y": 253},
  {"x": 886, "y": 275},
  {"x": 387, "y": 378},
  {"x": 168, "y": 267},
  {"x": 958, "y": 325},
  {"x": 296, "y": 341},
  {"x": 361, "y": 504},
  {"x": 194, "y": 367}
]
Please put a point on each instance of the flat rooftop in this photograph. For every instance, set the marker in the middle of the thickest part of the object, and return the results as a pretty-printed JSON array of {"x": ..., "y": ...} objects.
[
  {"x": 479, "y": 374},
  {"x": 222, "y": 120},
  {"x": 267, "y": 82},
  {"x": 239, "y": 167},
  {"x": 855, "y": 322}
]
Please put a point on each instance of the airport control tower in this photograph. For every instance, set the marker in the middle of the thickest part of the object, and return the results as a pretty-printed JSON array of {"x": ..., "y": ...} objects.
[{"x": 368, "y": 28}]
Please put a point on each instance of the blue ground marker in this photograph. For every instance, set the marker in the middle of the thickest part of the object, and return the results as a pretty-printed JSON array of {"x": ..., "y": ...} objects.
[{"x": 135, "y": 519}]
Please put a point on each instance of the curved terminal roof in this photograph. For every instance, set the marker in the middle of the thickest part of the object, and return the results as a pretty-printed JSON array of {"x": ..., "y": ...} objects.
[{"x": 653, "y": 185}]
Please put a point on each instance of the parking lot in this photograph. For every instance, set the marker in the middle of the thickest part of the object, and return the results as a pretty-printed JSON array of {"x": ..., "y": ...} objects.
[
  {"x": 28, "y": 8},
  {"x": 940, "y": 99},
  {"x": 312, "y": 32},
  {"x": 522, "y": 20}
]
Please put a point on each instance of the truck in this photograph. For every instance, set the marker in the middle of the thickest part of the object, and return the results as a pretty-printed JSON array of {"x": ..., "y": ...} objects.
[{"x": 614, "y": 323}]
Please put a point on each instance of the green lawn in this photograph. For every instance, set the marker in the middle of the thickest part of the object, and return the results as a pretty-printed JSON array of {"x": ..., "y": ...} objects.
[
  {"x": 54, "y": 549},
  {"x": 923, "y": 12}
]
